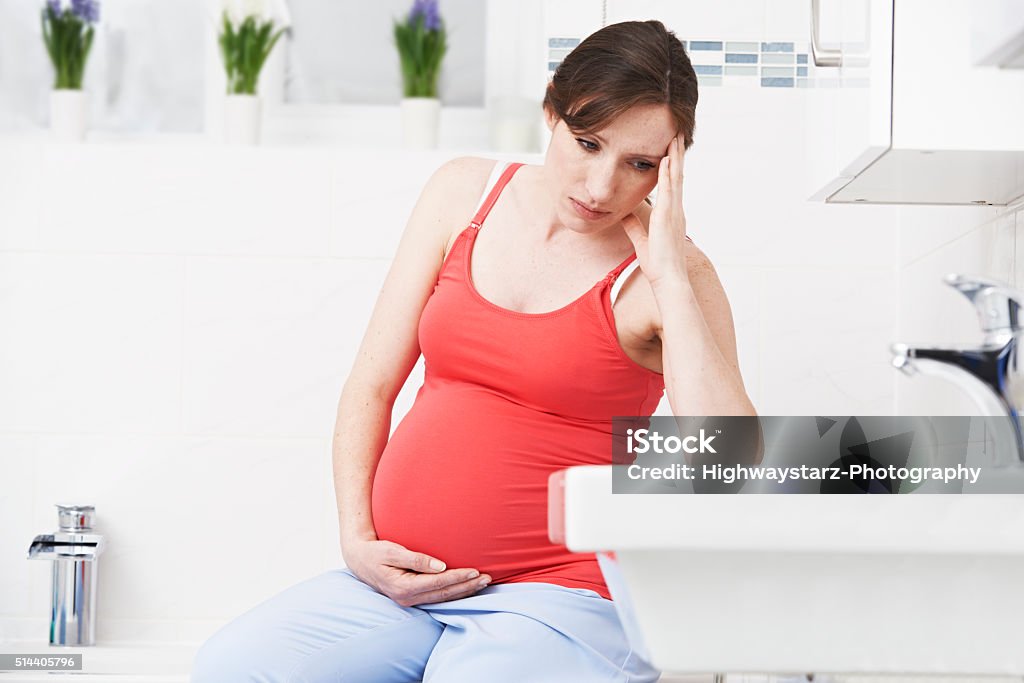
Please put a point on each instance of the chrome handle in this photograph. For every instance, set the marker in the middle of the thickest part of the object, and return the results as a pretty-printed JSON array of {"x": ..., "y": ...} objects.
[
  {"x": 997, "y": 304},
  {"x": 820, "y": 55}
]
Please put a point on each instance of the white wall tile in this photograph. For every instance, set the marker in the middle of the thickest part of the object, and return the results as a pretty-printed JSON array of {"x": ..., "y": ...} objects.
[
  {"x": 331, "y": 537},
  {"x": 22, "y": 188},
  {"x": 196, "y": 527},
  {"x": 743, "y": 288},
  {"x": 926, "y": 228},
  {"x": 92, "y": 343},
  {"x": 787, "y": 20},
  {"x": 372, "y": 200},
  {"x": 146, "y": 198},
  {"x": 571, "y": 18},
  {"x": 14, "y": 629},
  {"x": 268, "y": 342},
  {"x": 17, "y": 490},
  {"x": 696, "y": 19},
  {"x": 744, "y": 200},
  {"x": 825, "y": 342}
]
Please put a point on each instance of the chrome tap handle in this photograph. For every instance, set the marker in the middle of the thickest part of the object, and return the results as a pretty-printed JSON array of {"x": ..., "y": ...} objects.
[{"x": 998, "y": 305}]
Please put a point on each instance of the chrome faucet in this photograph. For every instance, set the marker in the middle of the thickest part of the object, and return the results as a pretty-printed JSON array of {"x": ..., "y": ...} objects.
[
  {"x": 992, "y": 373},
  {"x": 74, "y": 549}
]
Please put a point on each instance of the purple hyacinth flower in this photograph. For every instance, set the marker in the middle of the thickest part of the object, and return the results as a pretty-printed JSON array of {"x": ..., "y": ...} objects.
[
  {"x": 429, "y": 11},
  {"x": 418, "y": 8},
  {"x": 54, "y": 6},
  {"x": 86, "y": 10}
]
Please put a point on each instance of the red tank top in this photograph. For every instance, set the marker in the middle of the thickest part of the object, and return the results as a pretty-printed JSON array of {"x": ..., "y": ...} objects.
[{"x": 507, "y": 399}]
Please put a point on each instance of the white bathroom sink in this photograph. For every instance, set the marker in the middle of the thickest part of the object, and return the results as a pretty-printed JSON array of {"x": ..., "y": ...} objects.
[{"x": 824, "y": 583}]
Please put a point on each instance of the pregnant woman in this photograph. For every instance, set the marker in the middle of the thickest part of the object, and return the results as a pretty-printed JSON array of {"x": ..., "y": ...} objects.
[{"x": 545, "y": 300}]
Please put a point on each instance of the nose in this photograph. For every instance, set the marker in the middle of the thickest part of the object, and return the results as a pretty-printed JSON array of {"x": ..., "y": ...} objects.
[{"x": 601, "y": 183}]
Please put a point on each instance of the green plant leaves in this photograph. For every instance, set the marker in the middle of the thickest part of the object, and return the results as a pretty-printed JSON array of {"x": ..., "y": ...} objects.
[
  {"x": 68, "y": 41},
  {"x": 244, "y": 50},
  {"x": 420, "y": 52}
]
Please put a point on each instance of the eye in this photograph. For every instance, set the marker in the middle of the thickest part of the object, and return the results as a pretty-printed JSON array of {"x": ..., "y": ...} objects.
[
  {"x": 587, "y": 145},
  {"x": 643, "y": 166}
]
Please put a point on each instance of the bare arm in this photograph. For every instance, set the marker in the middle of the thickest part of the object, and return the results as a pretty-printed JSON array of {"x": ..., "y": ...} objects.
[
  {"x": 694, "y": 322},
  {"x": 699, "y": 344},
  {"x": 386, "y": 356}
]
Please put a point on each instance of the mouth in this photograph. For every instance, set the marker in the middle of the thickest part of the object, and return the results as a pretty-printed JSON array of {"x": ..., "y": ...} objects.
[{"x": 586, "y": 212}]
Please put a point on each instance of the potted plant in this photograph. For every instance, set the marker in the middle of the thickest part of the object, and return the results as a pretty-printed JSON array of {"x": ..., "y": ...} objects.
[
  {"x": 421, "y": 41},
  {"x": 68, "y": 29},
  {"x": 249, "y": 29}
]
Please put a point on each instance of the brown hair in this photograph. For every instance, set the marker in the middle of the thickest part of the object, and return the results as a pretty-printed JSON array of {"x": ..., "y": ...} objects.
[{"x": 622, "y": 65}]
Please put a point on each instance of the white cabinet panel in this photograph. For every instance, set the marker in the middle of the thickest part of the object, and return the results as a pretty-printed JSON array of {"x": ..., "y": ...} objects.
[{"x": 911, "y": 118}]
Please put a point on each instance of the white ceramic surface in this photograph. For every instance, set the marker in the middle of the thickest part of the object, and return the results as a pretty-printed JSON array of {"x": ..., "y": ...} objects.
[
  {"x": 421, "y": 118},
  {"x": 69, "y": 113},
  {"x": 243, "y": 119},
  {"x": 888, "y": 584}
]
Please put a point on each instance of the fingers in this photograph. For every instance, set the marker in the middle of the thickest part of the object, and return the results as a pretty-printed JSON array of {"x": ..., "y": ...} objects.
[
  {"x": 634, "y": 227},
  {"x": 418, "y": 562},
  {"x": 664, "y": 181},
  {"x": 454, "y": 591},
  {"x": 635, "y": 231},
  {"x": 449, "y": 585},
  {"x": 677, "y": 164}
]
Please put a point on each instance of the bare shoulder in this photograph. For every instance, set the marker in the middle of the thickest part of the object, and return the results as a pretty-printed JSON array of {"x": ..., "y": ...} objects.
[
  {"x": 466, "y": 169},
  {"x": 457, "y": 186},
  {"x": 460, "y": 181}
]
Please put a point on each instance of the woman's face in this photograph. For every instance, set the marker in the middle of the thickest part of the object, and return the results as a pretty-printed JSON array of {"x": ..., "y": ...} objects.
[{"x": 610, "y": 171}]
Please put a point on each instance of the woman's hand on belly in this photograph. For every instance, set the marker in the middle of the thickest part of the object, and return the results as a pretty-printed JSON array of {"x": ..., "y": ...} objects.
[{"x": 410, "y": 578}]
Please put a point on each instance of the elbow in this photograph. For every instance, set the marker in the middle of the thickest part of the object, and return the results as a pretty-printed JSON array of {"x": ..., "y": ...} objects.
[{"x": 361, "y": 400}]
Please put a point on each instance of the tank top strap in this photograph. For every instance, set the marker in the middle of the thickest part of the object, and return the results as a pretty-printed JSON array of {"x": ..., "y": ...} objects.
[
  {"x": 502, "y": 173},
  {"x": 621, "y": 274}
]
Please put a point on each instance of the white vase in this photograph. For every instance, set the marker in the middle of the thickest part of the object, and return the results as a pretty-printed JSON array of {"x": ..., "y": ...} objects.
[
  {"x": 243, "y": 118},
  {"x": 68, "y": 115},
  {"x": 421, "y": 119}
]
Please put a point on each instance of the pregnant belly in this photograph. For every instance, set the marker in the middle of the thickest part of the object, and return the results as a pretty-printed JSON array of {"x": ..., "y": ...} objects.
[{"x": 468, "y": 483}]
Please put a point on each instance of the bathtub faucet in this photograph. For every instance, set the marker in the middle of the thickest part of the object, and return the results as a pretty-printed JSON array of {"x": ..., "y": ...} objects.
[{"x": 991, "y": 374}]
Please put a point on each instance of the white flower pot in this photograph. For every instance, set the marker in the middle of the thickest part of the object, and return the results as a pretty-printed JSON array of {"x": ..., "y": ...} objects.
[
  {"x": 68, "y": 115},
  {"x": 243, "y": 118},
  {"x": 421, "y": 119}
]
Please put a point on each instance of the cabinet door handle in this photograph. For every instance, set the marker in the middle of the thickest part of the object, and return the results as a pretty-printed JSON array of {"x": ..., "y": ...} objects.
[{"x": 821, "y": 56}]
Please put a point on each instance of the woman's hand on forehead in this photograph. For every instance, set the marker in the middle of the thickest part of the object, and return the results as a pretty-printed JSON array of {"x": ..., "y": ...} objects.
[{"x": 661, "y": 247}]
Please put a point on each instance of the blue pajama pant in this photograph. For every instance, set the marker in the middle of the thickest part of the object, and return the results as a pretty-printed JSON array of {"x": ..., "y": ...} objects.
[{"x": 336, "y": 628}]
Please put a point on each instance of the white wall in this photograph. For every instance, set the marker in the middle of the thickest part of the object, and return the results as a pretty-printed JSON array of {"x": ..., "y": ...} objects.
[
  {"x": 812, "y": 283},
  {"x": 178, "y": 323},
  {"x": 178, "y": 320}
]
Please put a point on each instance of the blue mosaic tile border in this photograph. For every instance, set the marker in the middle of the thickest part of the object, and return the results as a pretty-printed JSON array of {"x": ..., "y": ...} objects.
[{"x": 765, "y": 64}]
